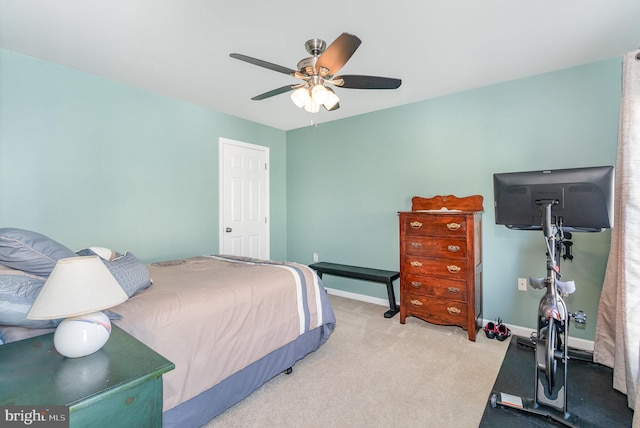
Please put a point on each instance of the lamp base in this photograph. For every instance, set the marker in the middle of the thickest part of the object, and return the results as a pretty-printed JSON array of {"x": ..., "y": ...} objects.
[{"x": 82, "y": 335}]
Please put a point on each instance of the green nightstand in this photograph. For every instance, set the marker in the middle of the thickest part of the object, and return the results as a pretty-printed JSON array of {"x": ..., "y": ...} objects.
[{"x": 118, "y": 386}]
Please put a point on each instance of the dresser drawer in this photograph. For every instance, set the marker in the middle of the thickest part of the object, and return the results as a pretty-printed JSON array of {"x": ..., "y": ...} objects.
[
  {"x": 443, "y": 268},
  {"x": 436, "y": 247},
  {"x": 435, "y": 225},
  {"x": 440, "y": 311},
  {"x": 435, "y": 287}
]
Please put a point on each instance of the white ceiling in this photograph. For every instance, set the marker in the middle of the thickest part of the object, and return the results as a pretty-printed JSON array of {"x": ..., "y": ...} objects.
[{"x": 181, "y": 48}]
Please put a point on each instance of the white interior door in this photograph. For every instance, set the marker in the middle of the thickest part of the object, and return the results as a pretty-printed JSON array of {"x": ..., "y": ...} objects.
[{"x": 244, "y": 199}]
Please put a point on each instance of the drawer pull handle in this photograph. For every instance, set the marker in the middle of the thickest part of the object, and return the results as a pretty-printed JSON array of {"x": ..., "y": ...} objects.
[
  {"x": 453, "y": 248},
  {"x": 453, "y": 290},
  {"x": 415, "y": 224},
  {"x": 416, "y": 284},
  {"x": 453, "y": 310},
  {"x": 416, "y": 264},
  {"x": 453, "y": 226},
  {"x": 453, "y": 268},
  {"x": 416, "y": 244},
  {"x": 416, "y": 302}
]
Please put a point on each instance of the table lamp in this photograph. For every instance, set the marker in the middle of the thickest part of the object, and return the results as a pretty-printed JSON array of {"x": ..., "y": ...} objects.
[{"x": 77, "y": 290}]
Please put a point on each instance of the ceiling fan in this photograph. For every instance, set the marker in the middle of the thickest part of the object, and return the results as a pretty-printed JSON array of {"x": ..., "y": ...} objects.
[{"x": 319, "y": 69}]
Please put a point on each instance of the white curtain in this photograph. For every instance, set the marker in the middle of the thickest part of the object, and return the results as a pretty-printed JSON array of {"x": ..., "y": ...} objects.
[{"x": 617, "y": 340}]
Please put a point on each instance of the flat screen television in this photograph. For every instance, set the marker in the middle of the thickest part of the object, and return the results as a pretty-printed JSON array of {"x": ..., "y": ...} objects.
[{"x": 582, "y": 198}]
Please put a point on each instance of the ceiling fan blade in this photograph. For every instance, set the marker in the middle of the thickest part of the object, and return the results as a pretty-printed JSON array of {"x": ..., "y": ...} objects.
[
  {"x": 274, "y": 92},
  {"x": 338, "y": 53},
  {"x": 265, "y": 64},
  {"x": 355, "y": 81}
]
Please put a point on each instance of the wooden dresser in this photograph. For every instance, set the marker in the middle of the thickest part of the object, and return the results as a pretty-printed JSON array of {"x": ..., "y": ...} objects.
[{"x": 441, "y": 261}]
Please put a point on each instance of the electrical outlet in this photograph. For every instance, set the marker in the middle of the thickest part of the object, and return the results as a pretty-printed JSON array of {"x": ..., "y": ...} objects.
[
  {"x": 315, "y": 257},
  {"x": 522, "y": 284}
]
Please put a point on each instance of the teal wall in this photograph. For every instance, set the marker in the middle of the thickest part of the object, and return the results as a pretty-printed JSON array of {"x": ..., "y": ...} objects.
[
  {"x": 346, "y": 180},
  {"x": 89, "y": 161}
]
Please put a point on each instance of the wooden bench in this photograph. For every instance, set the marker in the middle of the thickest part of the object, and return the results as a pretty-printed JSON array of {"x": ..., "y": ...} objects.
[{"x": 366, "y": 274}]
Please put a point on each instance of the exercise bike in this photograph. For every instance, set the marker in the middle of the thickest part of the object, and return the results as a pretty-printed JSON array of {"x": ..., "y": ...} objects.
[{"x": 551, "y": 338}]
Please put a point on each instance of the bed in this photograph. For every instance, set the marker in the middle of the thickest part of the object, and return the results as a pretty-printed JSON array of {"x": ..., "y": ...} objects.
[{"x": 229, "y": 324}]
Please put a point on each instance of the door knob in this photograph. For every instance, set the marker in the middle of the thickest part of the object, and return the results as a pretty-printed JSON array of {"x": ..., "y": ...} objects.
[{"x": 228, "y": 230}]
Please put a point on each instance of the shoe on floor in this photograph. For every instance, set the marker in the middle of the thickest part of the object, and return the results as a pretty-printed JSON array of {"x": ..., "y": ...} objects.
[
  {"x": 490, "y": 330},
  {"x": 502, "y": 332}
]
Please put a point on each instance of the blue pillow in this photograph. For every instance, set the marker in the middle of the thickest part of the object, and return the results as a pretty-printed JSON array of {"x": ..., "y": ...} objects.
[
  {"x": 30, "y": 252},
  {"x": 17, "y": 294},
  {"x": 131, "y": 273}
]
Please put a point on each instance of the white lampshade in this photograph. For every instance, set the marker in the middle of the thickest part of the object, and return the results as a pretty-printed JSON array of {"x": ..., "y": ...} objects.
[
  {"x": 311, "y": 106},
  {"x": 77, "y": 286},
  {"x": 319, "y": 94},
  {"x": 332, "y": 99},
  {"x": 300, "y": 96},
  {"x": 77, "y": 289}
]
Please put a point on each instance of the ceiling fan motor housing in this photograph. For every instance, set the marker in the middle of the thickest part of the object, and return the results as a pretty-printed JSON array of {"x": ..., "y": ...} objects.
[
  {"x": 307, "y": 66},
  {"x": 315, "y": 46}
]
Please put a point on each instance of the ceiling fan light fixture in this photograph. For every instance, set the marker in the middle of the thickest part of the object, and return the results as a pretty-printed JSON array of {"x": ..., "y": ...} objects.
[
  {"x": 332, "y": 99},
  {"x": 312, "y": 106},
  {"x": 319, "y": 94},
  {"x": 300, "y": 97}
]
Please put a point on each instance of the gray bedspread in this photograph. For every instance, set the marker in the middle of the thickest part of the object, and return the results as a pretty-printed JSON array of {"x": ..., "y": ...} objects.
[{"x": 213, "y": 316}]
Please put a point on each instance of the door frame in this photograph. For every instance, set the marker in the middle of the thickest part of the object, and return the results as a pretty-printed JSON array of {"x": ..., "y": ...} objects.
[{"x": 222, "y": 141}]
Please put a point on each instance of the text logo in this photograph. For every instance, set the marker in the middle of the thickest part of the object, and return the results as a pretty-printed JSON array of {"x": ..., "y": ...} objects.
[{"x": 34, "y": 416}]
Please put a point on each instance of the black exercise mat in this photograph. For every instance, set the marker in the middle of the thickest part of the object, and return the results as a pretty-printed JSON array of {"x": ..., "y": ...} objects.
[{"x": 591, "y": 396}]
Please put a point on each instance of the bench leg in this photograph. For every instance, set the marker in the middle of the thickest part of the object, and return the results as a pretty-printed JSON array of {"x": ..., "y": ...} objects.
[{"x": 393, "y": 307}]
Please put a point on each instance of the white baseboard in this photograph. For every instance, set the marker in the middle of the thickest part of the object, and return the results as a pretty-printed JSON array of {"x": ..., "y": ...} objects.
[
  {"x": 356, "y": 296},
  {"x": 574, "y": 342}
]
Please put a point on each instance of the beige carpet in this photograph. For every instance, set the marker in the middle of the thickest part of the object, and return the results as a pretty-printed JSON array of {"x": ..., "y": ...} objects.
[{"x": 376, "y": 372}]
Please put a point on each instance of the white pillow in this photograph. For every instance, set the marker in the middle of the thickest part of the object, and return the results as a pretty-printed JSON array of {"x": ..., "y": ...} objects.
[{"x": 104, "y": 253}]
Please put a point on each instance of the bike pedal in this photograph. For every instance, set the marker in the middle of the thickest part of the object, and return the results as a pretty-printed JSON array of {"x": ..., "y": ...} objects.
[{"x": 579, "y": 317}]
